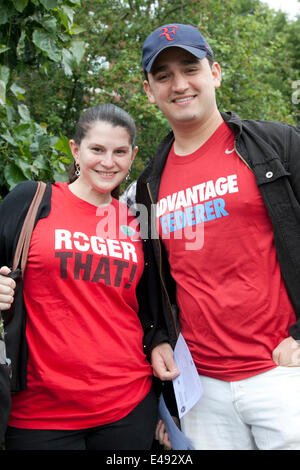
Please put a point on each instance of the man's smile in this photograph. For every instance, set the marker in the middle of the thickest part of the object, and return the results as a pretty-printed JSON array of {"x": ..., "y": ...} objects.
[{"x": 183, "y": 99}]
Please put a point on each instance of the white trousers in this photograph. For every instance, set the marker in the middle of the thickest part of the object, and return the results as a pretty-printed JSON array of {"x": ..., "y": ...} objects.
[{"x": 261, "y": 412}]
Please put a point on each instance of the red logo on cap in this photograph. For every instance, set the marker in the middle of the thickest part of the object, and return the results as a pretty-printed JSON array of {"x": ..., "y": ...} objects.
[{"x": 167, "y": 32}]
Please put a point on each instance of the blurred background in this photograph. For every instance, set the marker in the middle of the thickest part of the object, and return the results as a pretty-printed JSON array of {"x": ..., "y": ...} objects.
[{"x": 58, "y": 57}]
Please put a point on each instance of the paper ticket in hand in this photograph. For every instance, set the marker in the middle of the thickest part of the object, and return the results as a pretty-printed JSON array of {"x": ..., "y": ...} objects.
[
  {"x": 178, "y": 440},
  {"x": 187, "y": 386}
]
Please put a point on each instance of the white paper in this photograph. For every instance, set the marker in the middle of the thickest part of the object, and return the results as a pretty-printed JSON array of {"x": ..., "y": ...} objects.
[
  {"x": 178, "y": 440},
  {"x": 187, "y": 386}
]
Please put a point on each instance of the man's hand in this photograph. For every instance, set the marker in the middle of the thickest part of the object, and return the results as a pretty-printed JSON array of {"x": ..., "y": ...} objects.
[
  {"x": 163, "y": 364},
  {"x": 7, "y": 289},
  {"x": 287, "y": 353}
]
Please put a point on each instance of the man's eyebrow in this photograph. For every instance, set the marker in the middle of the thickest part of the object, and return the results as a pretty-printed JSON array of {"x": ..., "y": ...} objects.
[
  {"x": 191, "y": 60},
  {"x": 159, "y": 69}
]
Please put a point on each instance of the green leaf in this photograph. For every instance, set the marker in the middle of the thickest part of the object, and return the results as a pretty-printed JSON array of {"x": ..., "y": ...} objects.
[
  {"x": 23, "y": 131},
  {"x": 46, "y": 43},
  {"x": 68, "y": 61},
  {"x": 34, "y": 147},
  {"x": 40, "y": 163},
  {"x": 24, "y": 112},
  {"x": 49, "y": 23},
  {"x": 4, "y": 77},
  {"x": 17, "y": 91},
  {"x": 10, "y": 113},
  {"x": 2, "y": 93},
  {"x": 3, "y": 48},
  {"x": 7, "y": 11},
  {"x": 4, "y": 74},
  {"x": 13, "y": 175},
  {"x": 77, "y": 29},
  {"x": 60, "y": 176},
  {"x": 66, "y": 16},
  {"x": 62, "y": 145},
  {"x": 78, "y": 49},
  {"x": 43, "y": 142},
  {"x": 9, "y": 139},
  {"x": 49, "y": 4},
  {"x": 68, "y": 12},
  {"x": 25, "y": 167},
  {"x": 21, "y": 44},
  {"x": 20, "y": 5}
]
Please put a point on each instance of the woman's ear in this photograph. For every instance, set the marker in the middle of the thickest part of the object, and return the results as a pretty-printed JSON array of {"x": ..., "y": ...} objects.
[
  {"x": 75, "y": 150},
  {"x": 134, "y": 152}
]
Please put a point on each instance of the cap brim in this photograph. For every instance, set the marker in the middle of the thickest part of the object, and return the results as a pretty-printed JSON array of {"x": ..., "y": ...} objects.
[{"x": 199, "y": 53}]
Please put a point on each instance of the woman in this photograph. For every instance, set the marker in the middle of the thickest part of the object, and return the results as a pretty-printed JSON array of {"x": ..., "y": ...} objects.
[{"x": 89, "y": 384}]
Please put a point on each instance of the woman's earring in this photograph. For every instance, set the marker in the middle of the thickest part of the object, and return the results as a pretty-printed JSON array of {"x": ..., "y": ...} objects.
[
  {"x": 77, "y": 170},
  {"x": 127, "y": 177}
]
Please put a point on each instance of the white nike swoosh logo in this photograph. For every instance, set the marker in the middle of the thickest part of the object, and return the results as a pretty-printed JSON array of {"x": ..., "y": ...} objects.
[{"x": 229, "y": 151}]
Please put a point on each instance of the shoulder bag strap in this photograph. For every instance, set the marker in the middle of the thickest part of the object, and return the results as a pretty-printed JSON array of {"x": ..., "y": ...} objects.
[{"x": 26, "y": 232}]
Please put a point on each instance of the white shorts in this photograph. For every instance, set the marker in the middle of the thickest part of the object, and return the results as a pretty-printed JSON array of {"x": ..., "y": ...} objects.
[{"x": 261, "y": 412}]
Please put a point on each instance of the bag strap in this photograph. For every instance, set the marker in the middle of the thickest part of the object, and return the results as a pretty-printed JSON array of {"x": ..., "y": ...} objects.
[{"x": 26, "y": 232}]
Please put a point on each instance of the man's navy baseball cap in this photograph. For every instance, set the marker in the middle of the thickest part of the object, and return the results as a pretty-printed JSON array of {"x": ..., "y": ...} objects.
[{"x": 174, "y": 35}]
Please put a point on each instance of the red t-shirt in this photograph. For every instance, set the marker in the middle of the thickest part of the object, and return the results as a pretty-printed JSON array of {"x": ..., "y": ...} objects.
[
  {"x": 86, "y": 365},
  {"x": 234, "y": 308}
]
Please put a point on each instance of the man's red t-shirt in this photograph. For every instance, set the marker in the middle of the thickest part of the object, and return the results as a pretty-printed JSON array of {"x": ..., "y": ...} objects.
[
  {"x": 234, "y": 308},
  {"x": 86, "y": 365}
]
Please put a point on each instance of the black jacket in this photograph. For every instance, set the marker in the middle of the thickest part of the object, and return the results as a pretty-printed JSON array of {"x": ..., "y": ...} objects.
[
  {"x": 5, "y": 400},
  {"x": 13, "y": 210},
  {"x": 272, "y": 151}
]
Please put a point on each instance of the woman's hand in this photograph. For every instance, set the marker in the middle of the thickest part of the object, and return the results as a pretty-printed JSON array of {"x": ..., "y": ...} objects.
[
  {"x": 162, "y": 436},
  {"x": 163, "y": 364},
  {"x": 7, "y": 289}
]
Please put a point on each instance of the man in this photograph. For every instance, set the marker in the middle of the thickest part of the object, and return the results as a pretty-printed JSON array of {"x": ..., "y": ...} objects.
[{"x": 227, "y": 248}]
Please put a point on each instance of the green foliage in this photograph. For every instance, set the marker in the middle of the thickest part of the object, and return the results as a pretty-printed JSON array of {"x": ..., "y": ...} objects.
[
  {"x": 36, "y": 31},
  {"x": 34, "y": 34},
  {"x": 28, "y": 151},
  {"x": 58, "y": 59},
  {"x": 253, "y": 45}
]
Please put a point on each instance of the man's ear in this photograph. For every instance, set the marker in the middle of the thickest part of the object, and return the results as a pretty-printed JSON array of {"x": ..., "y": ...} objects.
[
  {"x": 217, "y": 74},
  {"x": 148, "y": 92}
]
